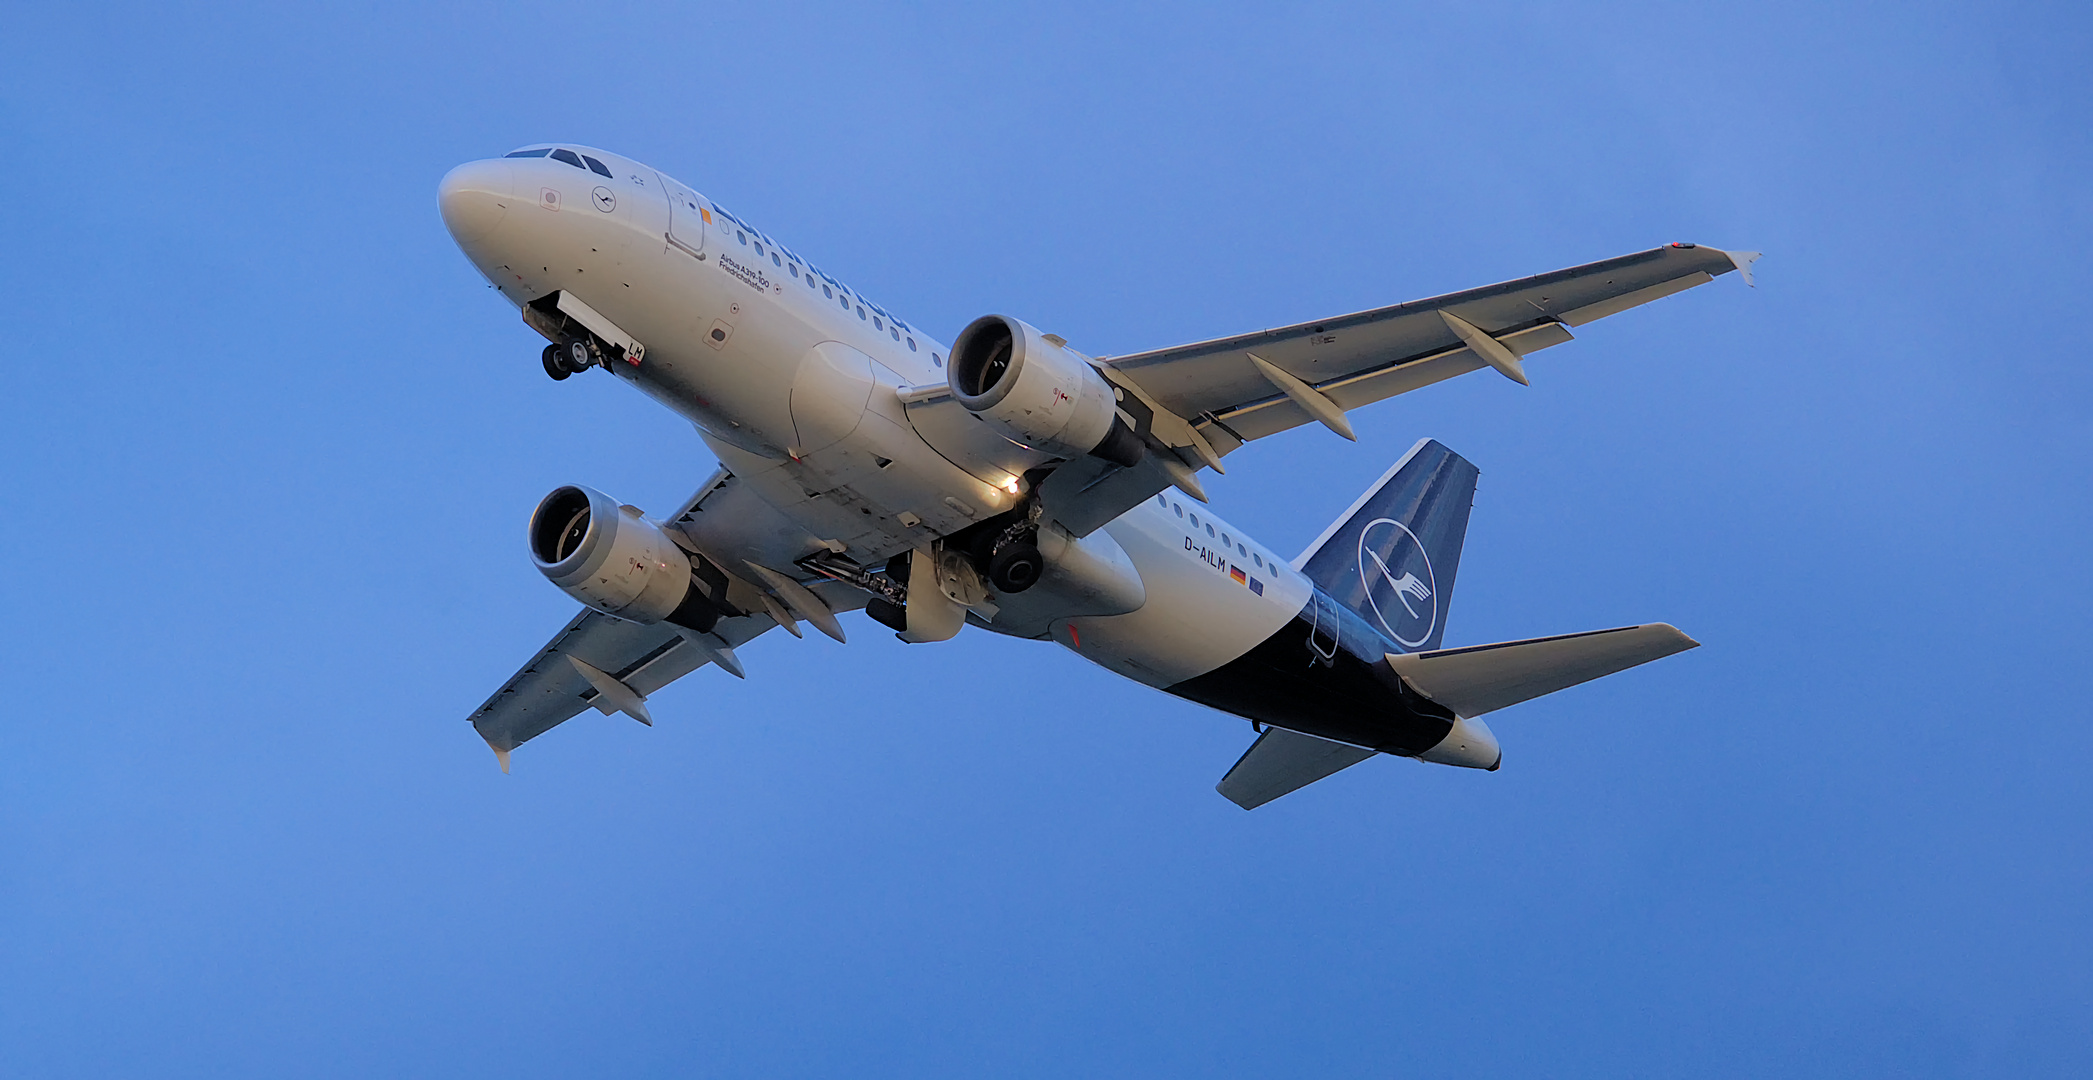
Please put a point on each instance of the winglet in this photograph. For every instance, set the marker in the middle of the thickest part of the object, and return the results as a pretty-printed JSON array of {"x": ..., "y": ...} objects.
[
  {"x": 502, "y": 756},
  {"x": 1742, "y": 260}
]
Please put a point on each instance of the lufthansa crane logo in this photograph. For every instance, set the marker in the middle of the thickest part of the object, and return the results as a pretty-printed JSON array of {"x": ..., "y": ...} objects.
[{"x": 1397, "y": 577}]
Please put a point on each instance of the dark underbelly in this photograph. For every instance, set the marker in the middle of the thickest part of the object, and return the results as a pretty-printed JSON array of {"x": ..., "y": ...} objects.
[{"x": 1350, "y": 697}]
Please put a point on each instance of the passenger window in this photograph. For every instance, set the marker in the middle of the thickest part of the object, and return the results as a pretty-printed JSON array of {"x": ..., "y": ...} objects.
[
  {"x": 569, "y": 157},
  {"x": 1241, "y": 550},
  {"x": 774, "y": 261},
  {"x": 539, "y": 152},
  {"x": 1162, "y": 502},
  {"x": 1225, "y": 541},
  {"x": 596, "y": 166},
  {"x": 739, "y": 236},
  {"x": 825, "y": 292},
  {"x": 845, "y": 301},
  {"x": 893, "y": 333},
  {"x": 936, "y": 360},
  {"x": 759, "y": 249},
  {"x": 912, "y": 344},
  {"x": 1195, "y": 520},
  {"x": 861, "y": 314},
  {"x": 1179, "y": 507},
  {"x": 1210, "y": 530},
  {"x": 794, "y": 268},
  {"x": 875, "y": 323}
]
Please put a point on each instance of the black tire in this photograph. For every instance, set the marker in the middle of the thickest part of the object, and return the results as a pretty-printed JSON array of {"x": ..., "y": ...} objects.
[
  {"x": 887, "y": 613},
  {"x": 575, "y": 355},
  {"x": 1015, "y": 568},
  {"x": 552, "y": 363}
]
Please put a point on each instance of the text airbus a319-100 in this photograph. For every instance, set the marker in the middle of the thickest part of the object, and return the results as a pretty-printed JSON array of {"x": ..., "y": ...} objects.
[{"x": 1010, "y": 482}]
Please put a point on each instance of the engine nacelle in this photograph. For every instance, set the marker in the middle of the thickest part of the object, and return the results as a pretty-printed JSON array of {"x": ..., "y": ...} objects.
[
  {"x": 613, "y": 559},
  {"x": 1038, "y": 392}
]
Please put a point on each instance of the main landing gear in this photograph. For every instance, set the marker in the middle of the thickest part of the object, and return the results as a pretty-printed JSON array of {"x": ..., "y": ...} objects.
[
  {"x": 568, "y": 357},
  {"x": 1007, "y": 551}
]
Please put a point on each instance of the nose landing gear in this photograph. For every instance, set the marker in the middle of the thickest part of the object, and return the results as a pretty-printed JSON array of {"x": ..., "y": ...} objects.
[
  {"x": 569, "y": 357},
  {"x": 552, "y": 363}
]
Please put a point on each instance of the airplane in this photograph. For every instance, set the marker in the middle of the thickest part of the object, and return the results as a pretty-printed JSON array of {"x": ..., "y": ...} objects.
[{"x": 1010, "y": 482}]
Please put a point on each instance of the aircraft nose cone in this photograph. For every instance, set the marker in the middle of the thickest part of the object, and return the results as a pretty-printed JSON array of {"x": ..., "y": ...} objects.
[{"x": 473, "y": 198}]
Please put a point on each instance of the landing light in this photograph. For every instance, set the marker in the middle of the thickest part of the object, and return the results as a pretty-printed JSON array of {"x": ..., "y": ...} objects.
[{"x": 1010, "y": 485}]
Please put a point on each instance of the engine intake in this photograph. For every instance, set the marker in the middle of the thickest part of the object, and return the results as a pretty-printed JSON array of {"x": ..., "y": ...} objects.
[
  {"x": 1039, "y": 392},
  {"x": 613, "y": 559}
]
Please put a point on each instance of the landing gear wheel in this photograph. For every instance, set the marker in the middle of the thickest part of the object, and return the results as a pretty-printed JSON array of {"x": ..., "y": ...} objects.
[
  {"x": 552, "y": 364},
  {"x": 1015, "y": 568},
  {"x": 575, "y": 355},
  {"x": 888, "y": 614}
]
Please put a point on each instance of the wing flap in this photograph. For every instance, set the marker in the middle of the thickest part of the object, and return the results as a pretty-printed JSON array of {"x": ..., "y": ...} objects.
[
  {"x": 1277, "y": 414},
  {"x": 1281, "y": 761},
  {"x": 1484, "y": 678},
  {"x": 548, "y": 691}
]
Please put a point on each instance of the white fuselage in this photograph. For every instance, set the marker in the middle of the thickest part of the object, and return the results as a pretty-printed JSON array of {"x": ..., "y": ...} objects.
[{"x": 803, "y": 388}]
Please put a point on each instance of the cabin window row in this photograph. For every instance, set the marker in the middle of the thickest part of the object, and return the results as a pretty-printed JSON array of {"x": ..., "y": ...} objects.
[
  {"x": 1256, "y": 559},
  {"x": 830, "y": 288}
]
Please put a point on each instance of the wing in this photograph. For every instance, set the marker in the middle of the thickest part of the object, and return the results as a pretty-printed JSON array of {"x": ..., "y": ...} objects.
[
  {"x": 610, "y": 664},
  {"x": 1204, "y": 400},
  {"x": 551, "y": 690}
]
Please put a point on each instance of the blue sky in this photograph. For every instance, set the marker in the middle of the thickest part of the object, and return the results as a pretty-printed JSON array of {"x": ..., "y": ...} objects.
[{"x": 272, "y": 445}]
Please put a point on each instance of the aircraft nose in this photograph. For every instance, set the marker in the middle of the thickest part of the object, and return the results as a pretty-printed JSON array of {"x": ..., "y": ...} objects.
[{"x": 473, "y": 198}]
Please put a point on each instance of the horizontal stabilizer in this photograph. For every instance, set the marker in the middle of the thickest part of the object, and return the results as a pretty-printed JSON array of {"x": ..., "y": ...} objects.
[
  {"x": 1281, "y": 761},
  {"x": 1484, "y": 678}
]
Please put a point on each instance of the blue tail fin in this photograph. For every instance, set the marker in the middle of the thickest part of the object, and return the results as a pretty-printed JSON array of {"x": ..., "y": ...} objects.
[{"x": 1393, "y": 555}]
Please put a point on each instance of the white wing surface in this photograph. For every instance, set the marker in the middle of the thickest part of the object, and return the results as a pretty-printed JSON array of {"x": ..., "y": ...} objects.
[
  {"x": 1204, "y": 400},
  {"x": 611, "y": 664},
  {"x": 551, "y": 690}
]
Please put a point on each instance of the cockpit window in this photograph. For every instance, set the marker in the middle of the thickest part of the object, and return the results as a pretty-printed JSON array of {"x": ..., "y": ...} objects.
[
  {"x": 539, "y": 152},
  {"x": 568, "y": 156},
  {"x": 595, "y": 166}
]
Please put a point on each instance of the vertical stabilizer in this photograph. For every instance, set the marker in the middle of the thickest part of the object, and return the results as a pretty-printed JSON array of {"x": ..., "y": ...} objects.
[{"x": 1393, "y": 555}]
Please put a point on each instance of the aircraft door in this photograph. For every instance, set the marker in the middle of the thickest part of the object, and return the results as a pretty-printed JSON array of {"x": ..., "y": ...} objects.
[
  {"x": 686, "y": 217},
  {"x": 1322, "y": 633}
]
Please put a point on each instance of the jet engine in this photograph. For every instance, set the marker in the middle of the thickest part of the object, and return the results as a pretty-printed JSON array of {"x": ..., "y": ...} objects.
[
  {"x": 613, "y": 559},
  {"x": 1035, "y": 390}
]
